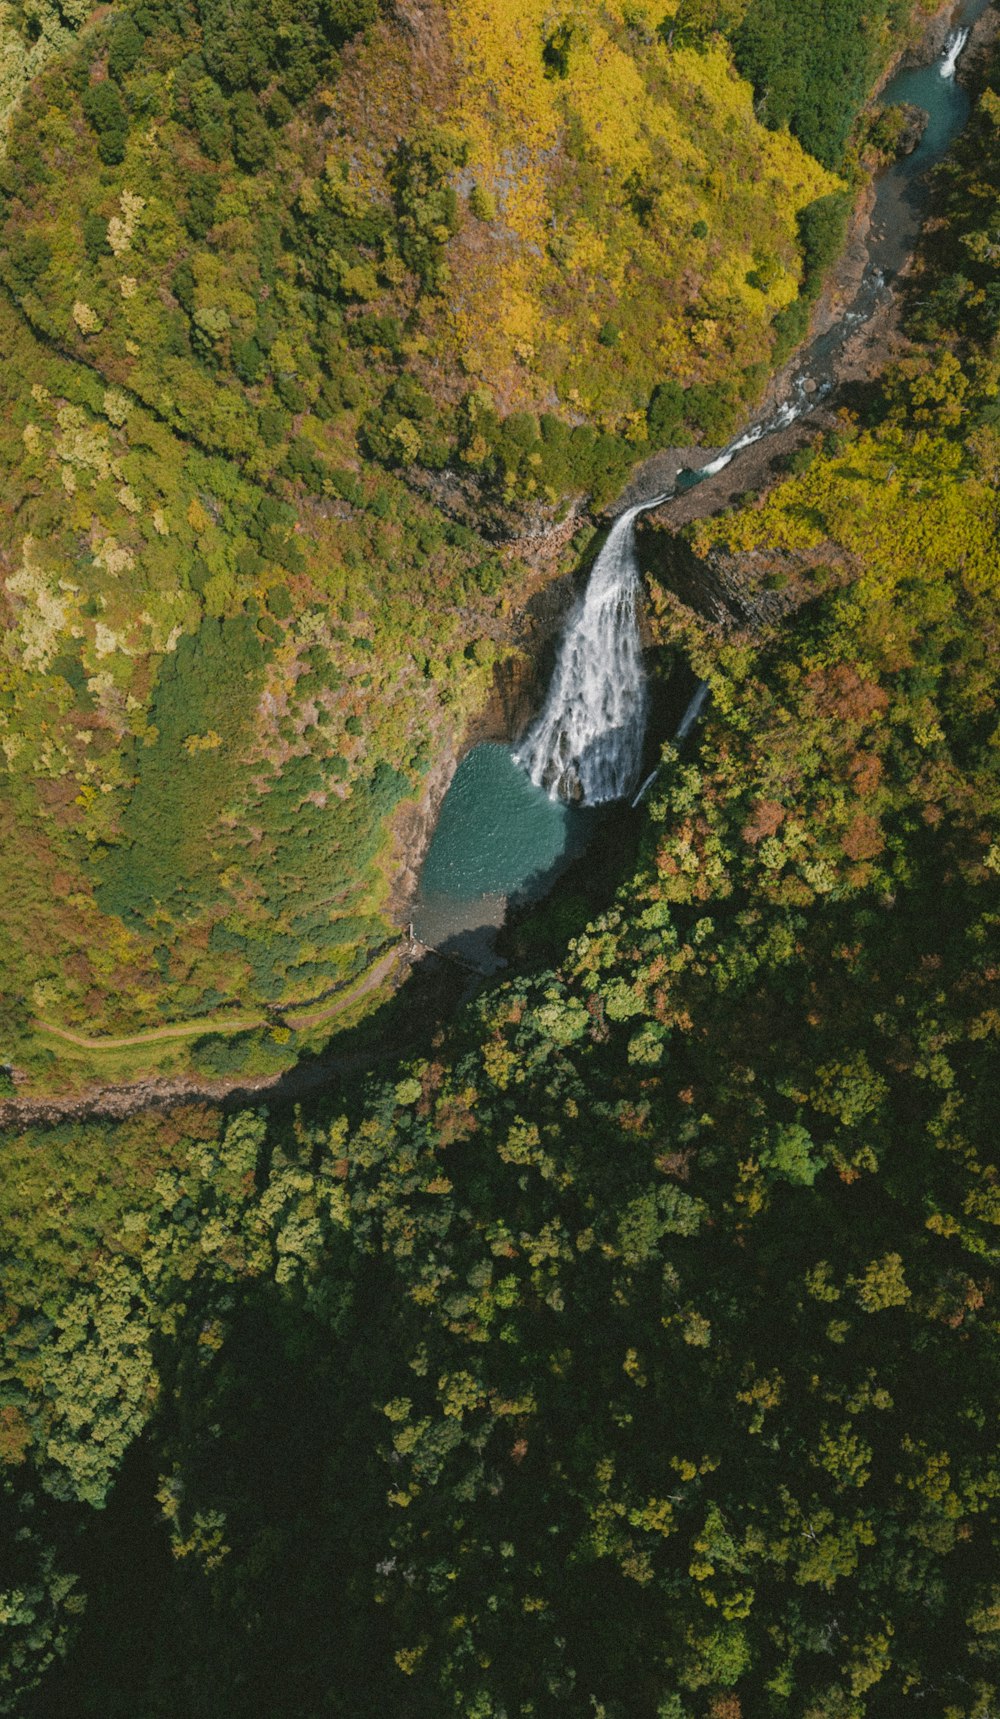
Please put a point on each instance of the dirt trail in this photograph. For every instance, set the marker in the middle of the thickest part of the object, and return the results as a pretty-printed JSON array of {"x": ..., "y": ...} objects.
[
  {"x": 117, "y": 1101},
  {"x": 196, "y": 1029},
  {"x": 182, "y": 1030}
]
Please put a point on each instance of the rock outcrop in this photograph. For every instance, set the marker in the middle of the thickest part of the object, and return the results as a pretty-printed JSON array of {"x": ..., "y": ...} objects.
[{"x": 746, "y": 593}]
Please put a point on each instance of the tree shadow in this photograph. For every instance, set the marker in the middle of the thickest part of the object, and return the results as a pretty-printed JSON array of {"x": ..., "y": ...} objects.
[{"x": 275, "y": 1434}]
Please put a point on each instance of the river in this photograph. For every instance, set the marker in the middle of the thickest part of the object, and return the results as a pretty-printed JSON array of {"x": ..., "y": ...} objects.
[{"x": 514, "y": 818}]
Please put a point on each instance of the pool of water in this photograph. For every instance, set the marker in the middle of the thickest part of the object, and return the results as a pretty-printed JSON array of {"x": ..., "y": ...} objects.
[
  {"x": 499, "y": 839},
  {"x": 900, "y": 199}
]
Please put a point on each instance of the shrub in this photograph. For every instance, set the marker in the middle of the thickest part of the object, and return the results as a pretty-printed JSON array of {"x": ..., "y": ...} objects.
[
  {"x": 105, "y": 112},
  {"x": 253, "y": 146},
  {"x": 203, "y": 190},
  {"x": 291, "y": 393},
  {"x": 712, "y": 410},
  {"x": 221, "y": 1054},
  {"x": 248, "y": 361},
  {"x": 791, "y": 325},
  {"x": 822, "y": 225},
  {"x": 482, "y": 203},
  {"x": 426, "y": 203},
  {"x": 665, "y": 415},
  {"x": 125, "y": 50},
  {"x": 274, "y": 425}
]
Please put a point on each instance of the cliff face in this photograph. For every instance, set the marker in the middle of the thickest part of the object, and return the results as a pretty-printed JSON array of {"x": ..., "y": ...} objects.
[{"x": 744, "y": 593}]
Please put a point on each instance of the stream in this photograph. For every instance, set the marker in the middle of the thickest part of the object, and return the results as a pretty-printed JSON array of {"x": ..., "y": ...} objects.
[{"x": 513, "y": 818}]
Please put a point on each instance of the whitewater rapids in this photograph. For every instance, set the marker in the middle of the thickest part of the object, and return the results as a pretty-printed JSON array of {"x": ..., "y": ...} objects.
[{"x": 953, "y": 50}]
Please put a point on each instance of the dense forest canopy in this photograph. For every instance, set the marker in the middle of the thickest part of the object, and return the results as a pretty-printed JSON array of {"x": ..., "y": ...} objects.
[
  {"x": 249, "y": 357},
  {"x": 624, "y": 1346}
]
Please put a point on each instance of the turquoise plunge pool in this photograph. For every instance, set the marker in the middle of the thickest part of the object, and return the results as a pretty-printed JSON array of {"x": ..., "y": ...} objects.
[{"x": 499, "y": 839}]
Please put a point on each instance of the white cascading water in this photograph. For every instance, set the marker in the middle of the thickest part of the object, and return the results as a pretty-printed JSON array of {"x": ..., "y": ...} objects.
[
  {"x": 953, "y": 49},
  {"x": 696, "y": 705},
  {"x": 587, "y": 743}
]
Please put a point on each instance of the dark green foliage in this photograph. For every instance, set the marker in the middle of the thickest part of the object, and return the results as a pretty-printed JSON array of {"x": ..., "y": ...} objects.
[
  {"x": 382, "y": 331},
  {"x": 695, "y": 21},
  {"x": 822, "y": 226},
  {"x": 104, "y": 109},
  {"x": 291, "y": 393},
  {"x": 302, "y": 461},
  {"x": 249, "y": 364},
  {"x": 801, "y": 459},
  {"x": 527, "y": 454},
  {"x": 308, "y": 859},
  {"x": 182, "y": 285},
  {"x": 279, "y": 109},
  {"x": 279, "y": 601},
  {"x": 960, "y": 292},
  {"x": 246, "y": 45},
  {"x": 202, "y": 192},
  {"x": 219, "y": 1055},
  {"x": 791, "y": 326},
  {"x": 426, "y": 202},
  {"x": 812, "y": 62},
  {"x": 125, "y": 49},
  {"x": 555, "y": 51},
  {"x": 712, "y": 409},
  {"x": 70, "y": 667},
  {"x": 274, "y": 425},
  {"x": 252, "y": 144},
  {"x": 407, "y": 426},
  {"x": 200, "y": 103},
  {"x": 666, "y": 415},
  {"x": 95, "y": 237},
  {"x": 26, "y": 262}
]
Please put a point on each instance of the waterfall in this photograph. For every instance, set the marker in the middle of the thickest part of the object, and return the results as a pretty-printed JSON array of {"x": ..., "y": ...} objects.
[
  {"x": 696, "y": 705},
  {"x": 587, "y": 743},
  {"x": 953, "y": 49}
]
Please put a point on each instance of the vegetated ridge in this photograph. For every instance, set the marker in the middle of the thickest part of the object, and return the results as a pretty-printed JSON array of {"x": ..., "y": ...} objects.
[{"x": 261, "y": 333}]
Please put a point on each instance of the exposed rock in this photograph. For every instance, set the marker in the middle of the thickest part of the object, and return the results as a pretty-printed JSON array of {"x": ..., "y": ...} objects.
[
  {"x": 747, "y": 593},
  {"x": 974, "y": 64},
  {"x": 914, "y": 123},
  {"x": 463, "y": 496}
]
